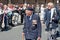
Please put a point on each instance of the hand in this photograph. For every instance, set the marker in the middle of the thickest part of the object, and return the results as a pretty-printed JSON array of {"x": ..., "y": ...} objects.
[
  {"x": 22, "y": 33},
  {"x": 23, "y": 36},
  {"x": 38, "y": 38}
]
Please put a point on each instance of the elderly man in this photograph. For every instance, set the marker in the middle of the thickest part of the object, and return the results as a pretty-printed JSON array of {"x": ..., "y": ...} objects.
[
  {"x": 51, "y": 16},
  {"x": 32, "y": 25}
]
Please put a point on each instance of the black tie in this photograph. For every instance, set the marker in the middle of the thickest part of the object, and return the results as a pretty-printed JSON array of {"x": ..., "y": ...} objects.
[{"x": 28, "y": 17}]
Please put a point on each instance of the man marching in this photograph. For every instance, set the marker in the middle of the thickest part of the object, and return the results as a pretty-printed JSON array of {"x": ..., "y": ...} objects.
[{"x": 32, "y": 25}]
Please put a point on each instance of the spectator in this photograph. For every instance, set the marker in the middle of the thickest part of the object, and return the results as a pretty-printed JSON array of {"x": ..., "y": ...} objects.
[{"x": 42, "y": 12}]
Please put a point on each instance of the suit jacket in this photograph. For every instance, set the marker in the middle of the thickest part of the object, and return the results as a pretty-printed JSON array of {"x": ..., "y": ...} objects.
[
  {"x": 47, "y": 17},
  {"x": 32, "y": 31},
  {"x": 56, "y": 18}
]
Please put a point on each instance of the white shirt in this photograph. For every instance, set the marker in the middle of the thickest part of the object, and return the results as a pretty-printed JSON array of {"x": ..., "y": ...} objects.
[
  {"x": 1, "y": 11},
  {"x": 52, "y": 12}
]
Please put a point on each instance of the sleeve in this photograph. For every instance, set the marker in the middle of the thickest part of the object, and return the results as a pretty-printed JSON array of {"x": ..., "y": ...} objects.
[
  {"x": 57, "y": 11},
  {"x": 45, "y": 16},
  {"x": 56, "y": 17},
  {"x": 24, "y": 28},
  {"x": 39, "y": 27}
]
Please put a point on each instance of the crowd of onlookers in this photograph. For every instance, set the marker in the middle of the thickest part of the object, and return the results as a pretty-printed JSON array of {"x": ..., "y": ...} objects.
[{"x": 9, "y": 14}]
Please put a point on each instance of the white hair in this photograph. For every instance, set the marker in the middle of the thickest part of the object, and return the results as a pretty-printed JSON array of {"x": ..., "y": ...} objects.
[{"x": 51, "y": 4}]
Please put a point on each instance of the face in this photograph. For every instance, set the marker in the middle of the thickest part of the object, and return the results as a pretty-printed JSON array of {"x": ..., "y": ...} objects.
[
  {"x": 5, "y": 6},
  {"x": 28, "y": 12},
  {"x": 49, "y": 6}
]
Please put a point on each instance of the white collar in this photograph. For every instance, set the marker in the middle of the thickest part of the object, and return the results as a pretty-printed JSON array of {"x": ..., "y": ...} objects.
[{"x": 30, "y": 17}]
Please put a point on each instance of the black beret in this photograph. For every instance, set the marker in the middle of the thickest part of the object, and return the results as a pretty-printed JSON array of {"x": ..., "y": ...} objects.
[{"x": 29, "y": 8}]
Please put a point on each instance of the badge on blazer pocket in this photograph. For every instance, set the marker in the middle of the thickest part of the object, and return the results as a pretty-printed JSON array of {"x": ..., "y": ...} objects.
[{"x": 34, "y": 24}]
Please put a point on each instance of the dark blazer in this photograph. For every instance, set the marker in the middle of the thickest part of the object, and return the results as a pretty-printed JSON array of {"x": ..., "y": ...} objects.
[
  {"x": 56, "y": 18},
  {"x": 47, "y": 17},
  {"x": 32, "y": 32}
]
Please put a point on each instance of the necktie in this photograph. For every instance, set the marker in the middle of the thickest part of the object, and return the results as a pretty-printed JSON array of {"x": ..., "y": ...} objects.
[{"x": 28, "y": 17}]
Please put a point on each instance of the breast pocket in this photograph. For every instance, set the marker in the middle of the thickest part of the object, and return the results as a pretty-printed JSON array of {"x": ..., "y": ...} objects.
[{"x": 34, "y": 24}]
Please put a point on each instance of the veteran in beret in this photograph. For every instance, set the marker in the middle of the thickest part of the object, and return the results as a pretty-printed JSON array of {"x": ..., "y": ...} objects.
[{"x": 32, "y": 25}]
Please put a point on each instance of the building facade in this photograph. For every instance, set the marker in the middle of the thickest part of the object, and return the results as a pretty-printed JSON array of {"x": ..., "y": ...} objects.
[{"x": 27, "y": 1}]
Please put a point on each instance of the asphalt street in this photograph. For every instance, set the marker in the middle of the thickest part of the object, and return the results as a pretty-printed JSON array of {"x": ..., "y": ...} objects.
[
  {"x": 15, "y": 33},
  {"x": 12, "y": 34}
]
